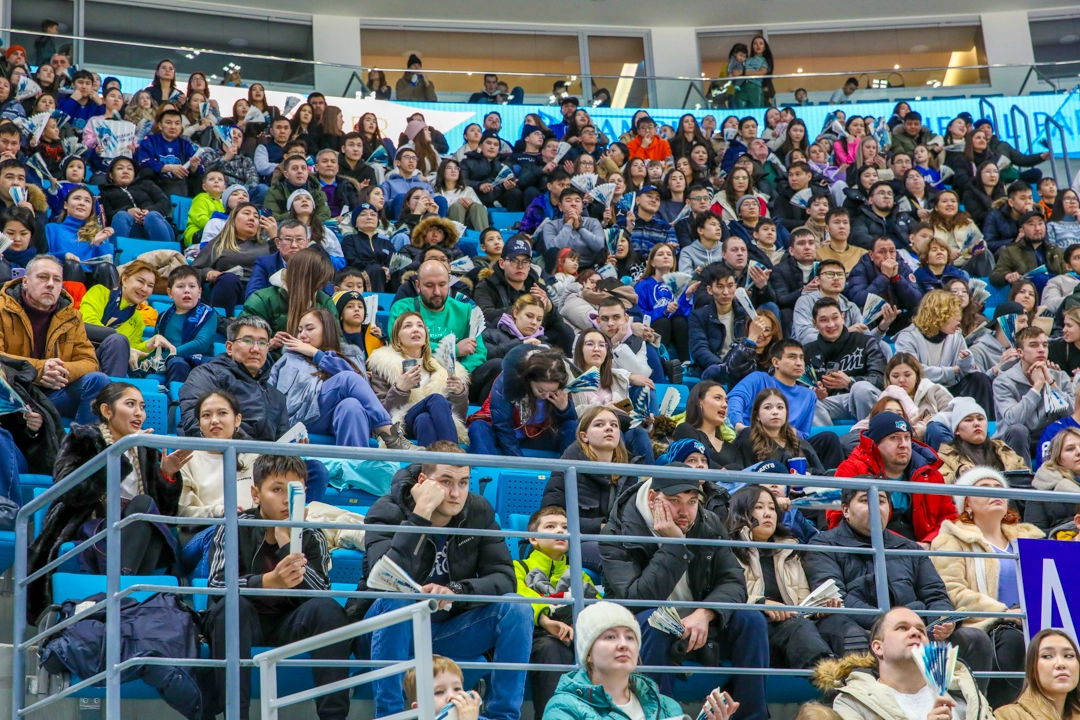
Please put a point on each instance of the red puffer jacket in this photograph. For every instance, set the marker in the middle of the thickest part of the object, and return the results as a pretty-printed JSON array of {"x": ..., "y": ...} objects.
[{"x": 927, "y": 511}]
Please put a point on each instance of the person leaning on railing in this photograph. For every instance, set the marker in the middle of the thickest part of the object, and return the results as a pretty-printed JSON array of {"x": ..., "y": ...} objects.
[
  {"x": 987, "y": 584},
  {"x": 608, "y": 640},
  {"x": 1051, "y": 674}
]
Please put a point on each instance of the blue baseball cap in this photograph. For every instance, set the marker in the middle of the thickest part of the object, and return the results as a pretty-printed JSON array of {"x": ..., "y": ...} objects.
[
  {"x": 517, "y": 247},
  {"x": 648, "y": 189}
]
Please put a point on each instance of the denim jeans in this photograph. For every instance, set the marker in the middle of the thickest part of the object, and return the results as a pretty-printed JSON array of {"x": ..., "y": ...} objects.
[
  {"x": 76, "y": 400},
  {"x": 506, "y": 627},
  {"x": 348, "y": 409},
  {"x": 153, "y": 227},
  {"x": 745, "y": 642},
  {"x": 430, "y": 420}
]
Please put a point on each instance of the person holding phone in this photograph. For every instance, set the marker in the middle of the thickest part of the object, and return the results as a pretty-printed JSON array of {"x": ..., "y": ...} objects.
[{"x": 427, "y": 400}]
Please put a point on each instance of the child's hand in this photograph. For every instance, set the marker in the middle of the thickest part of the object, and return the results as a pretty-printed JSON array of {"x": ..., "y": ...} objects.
[
  {"x": 559, "y": 629},
  {"x": 467, "y": 704},
  {"x": 289, "y": 572}
]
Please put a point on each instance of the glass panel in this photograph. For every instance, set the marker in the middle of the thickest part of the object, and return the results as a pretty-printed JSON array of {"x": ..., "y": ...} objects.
[
  {"x": 1057, "y": 40},
  {"x": 859, "y": 51},
  {"x": 29, "y": 14},
  {"x": 623, "y": 58},
  {"x": 178, "y": 28},
  {"x": 473, "y": 53}
]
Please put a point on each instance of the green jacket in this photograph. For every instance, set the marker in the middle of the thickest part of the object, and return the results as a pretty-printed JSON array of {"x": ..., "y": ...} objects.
[
  {"x": 278, "y": 197},
  {"x": 453, "y": 318},
  {"x": 1020, "y": 257},
  {"x": 902, "y": 142},
  {"x": 551, "y": 569},
  {"x": 272, "y": 305},
  {"x": 576, "y": 698}
]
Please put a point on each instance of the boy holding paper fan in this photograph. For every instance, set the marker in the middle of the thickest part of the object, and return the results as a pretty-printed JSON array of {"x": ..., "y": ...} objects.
[
  {"x": 268, "y": 560},
  {"x": 890, "y": 684}
]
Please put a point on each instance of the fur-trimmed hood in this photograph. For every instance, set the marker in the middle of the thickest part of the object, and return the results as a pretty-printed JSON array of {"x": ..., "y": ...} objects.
[
  {"x": 450, "y": 232},
  {"x": 1050, "y": 478},
  {"x": 384, "y": 366},
  {"x": 36, "y": 197},
  {"x": 831, "y": 674},
  {"x": 970, "y": 534}
]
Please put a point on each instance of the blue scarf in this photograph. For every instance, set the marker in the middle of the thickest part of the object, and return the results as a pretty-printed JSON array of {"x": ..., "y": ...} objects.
[{"x": 113, "y": 316}]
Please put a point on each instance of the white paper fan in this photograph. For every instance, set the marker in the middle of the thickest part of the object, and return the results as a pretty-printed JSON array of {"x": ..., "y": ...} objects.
[
  {"x": 585, "y": 182},
  {"x": 446, "y": 353}
]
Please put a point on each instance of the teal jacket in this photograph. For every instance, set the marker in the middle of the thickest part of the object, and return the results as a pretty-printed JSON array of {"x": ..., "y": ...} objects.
[{"x": 576, "y": 698}]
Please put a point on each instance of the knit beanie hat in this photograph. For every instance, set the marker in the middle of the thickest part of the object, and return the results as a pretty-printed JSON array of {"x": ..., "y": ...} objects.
[
  {"x": 413, "y": 60},
  {"x": 296, "y": 194},
  {"x": 14, "y": 48},
  {"x": 960, "y": 408},
  {"x": 595, "y": 620},
  {"x": 229, "y": 191},
  {"x": 528, "y": 129},
  {"x": 885, "y": 424},
  {"x": 973, "y": 476},
  {"x": 681, "y": 449},
  {"x": 414, "y": 128},
  {"x": 343, "y": 298}
]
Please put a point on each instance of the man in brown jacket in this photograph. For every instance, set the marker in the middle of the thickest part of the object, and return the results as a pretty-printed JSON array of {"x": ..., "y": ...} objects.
[{"x": 39, "y": 324}]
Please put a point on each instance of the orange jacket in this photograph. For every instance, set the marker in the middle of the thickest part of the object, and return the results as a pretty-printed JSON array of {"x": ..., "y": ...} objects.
[
  {"x": 66, "y": 338},
  {"x": 658, "y": 150}
]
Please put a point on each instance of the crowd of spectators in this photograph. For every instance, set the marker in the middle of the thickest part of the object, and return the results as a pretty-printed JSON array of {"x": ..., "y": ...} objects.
[{"x": 825, "y": 295}]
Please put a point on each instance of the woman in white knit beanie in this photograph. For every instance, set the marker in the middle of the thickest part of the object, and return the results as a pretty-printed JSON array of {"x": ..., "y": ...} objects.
[{"x": 607, "y": 638}]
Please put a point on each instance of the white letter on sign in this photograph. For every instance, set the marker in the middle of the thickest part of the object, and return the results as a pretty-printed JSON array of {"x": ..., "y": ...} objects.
[{"x": 1052, "y": 594}]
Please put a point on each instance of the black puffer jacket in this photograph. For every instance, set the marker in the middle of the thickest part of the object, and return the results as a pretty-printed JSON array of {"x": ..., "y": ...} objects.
[
  {"x": 648, "y": 571},
  {"x": 495, "y": 297},
  {"x": 142, "y": 194},
  {"x": 913, "y": 581},
  {"x": 265, "y": 414},
  {"x": 86, "y": 501},
  {"x": 481, "y": 564},
  {"x": 477, "y": 169},
  {"x": 596, "y": 493}
]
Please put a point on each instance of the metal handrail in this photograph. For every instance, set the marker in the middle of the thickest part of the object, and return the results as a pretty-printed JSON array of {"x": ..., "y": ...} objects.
[
  {"x": 993, "y": 117},
  {"x": 229, "y": 449},
  {"x": 1016, "y": 127},
  {"x": 1064, "y": 148},
  {"x": 419, "y": 614},
  {"x": 513, "y": 73}
]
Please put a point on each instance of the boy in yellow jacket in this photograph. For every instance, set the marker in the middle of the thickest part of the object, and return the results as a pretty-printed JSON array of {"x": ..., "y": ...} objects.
[{"x": 543, "y": 574}]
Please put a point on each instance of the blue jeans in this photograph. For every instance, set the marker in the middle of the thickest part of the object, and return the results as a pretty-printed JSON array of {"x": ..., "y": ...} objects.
[
  {"x": 348, "y": 408},
  {"x": 639, "y": 445},
  {"x": 257, "y": 193},
  {"x": 318, "y": 479},
  {"x": 430, "y": 420},
  {"x": 482, "y": 440},
  {"x": 227, "y": 292},
  {"x": 506, "y": 627},
  {"x": 153, "y": 227},
  {"x": 745, "y": 642},
  {"x": 77, "y": 399},
  {"x": 937, "y": 434}
]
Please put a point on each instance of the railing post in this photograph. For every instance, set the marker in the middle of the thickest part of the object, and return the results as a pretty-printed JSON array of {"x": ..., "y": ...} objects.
[
  {"x": 573, "y": 520},
  {"x": 425, "y": 681},
  {"x": 877, "y": 540},
  {"x": 268, "y": 681},
  {"x": 112, "y": 565},
  {"x": 232, "y": 590},
  {"x": 18, "y": 662},
  {"x": 993, "y": 116},
  {"x": 1016, "y": 127},
  {"x": 1064, "y": 149}
]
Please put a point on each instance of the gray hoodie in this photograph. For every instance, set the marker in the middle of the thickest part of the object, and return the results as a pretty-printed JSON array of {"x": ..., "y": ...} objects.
[
  {"x": 910, "y": 340},
  {"x": 802, "y": 323},
  {"x": 588, "y": 241},
  {"x": 696, "y": 255},
  {"x": 986, "y": 350},
  {"x": 1017, "y": 403}
]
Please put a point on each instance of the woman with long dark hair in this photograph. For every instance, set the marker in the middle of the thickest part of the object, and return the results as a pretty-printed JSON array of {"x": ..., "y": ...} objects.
[
  {"x": 528, "y": 406},
  {"x": 163, "y": 87},
  {"x": 686, "y": 136},
  {"x": 964, "y": 237},
  {"x": 331, "y": 129},
  {"x": 706, "y": 422},
  {"x": 464, "y": 204},
  {"x": 299, "y": 291},
  {"x": 771, "y": 437},
  {"x": 1051, "y": 676},
  {"x": 148, "y": 484},
  {"x": 985, "y": 192},
  {"x": 368, "y": 127},
  {"x": 1063, "y": 225},
  {"x": 304, "y": 127},
  {"x": 80, "y": 243},
  {"x": 775, "y": 577}
]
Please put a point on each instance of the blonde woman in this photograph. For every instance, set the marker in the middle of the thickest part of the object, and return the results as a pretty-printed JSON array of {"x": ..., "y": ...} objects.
[
  {"x": 987, "y": 584},
  {"x": 239, "y": 244},
  {"x": 935, "y": 340},
  {"x": 1059, "y": 473},
  {"x": 415, "y": 388}
]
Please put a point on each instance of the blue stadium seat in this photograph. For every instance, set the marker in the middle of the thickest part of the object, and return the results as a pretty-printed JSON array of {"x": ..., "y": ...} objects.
[
  {"x": 31, "y": 483},
  {"x": 385, "y": 301},
  {"x": 505, "y": 220},
  {"x": 520, "y": 492},
  {"x": 130, "y": 248},
  {"x": 181, "y": 207},
  {"x": 7, "y": 549},
  {"x": 157, "y": 403},
  {"x": 77, "y": 586},
  {"x": 347, "y": 566},
  {"x": 838, "y": 429}
]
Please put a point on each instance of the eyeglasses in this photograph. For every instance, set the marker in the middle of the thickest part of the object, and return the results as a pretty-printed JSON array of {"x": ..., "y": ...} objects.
[
  {"x": 837, "y": 275},
  {"x": 522, "y": 263},
  {"x": 700, "y": 198},
  {"x": 303, "y": 241},
  {"x": 250, "y": 342}
]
